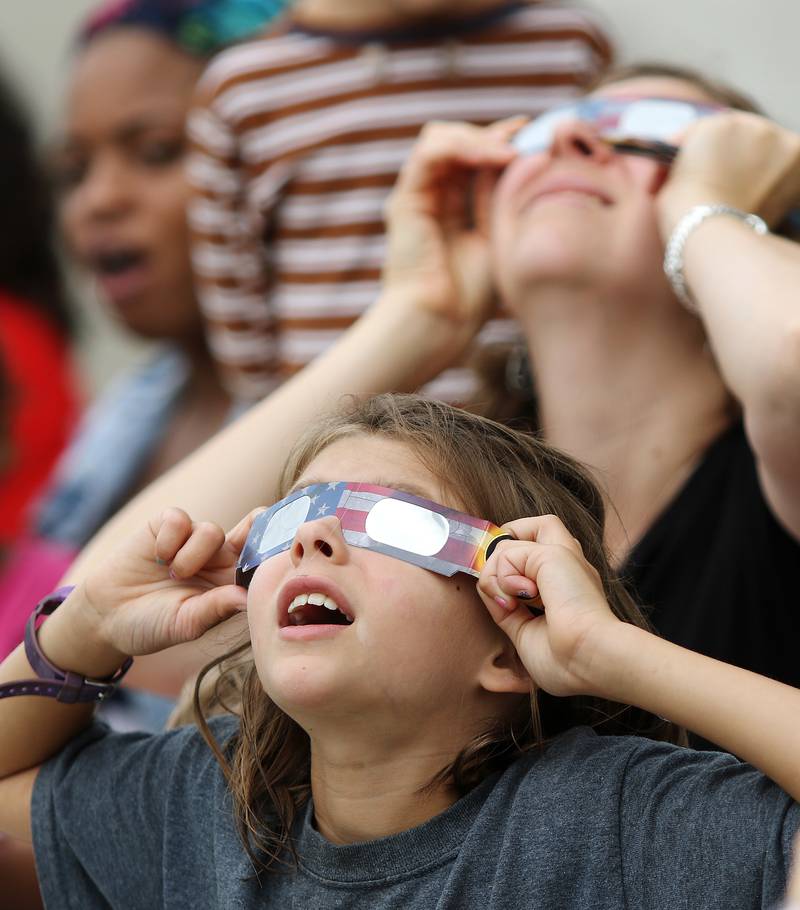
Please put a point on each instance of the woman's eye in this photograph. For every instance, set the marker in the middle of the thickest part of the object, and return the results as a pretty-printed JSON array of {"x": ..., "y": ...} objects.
[{"x": 157, "y": 152}]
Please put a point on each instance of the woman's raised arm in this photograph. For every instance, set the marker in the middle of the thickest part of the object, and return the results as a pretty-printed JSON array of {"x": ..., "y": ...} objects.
[
  {"x": 747, "y": 286},
  {"x": 436, "y": 296}
]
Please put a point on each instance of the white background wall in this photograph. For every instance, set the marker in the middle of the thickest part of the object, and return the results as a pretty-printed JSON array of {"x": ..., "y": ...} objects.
[{"x": 753, "y": 45}]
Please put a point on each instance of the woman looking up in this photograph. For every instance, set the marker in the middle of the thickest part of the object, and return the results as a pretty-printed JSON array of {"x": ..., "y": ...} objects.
[{"x": 688, "y": 414}]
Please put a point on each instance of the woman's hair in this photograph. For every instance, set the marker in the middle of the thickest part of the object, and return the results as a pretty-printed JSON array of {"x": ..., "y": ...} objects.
[
  {"x": 494, "y": 472},
  {"x": 29, "y": 266},
  {"x": 717, "y": 90}
]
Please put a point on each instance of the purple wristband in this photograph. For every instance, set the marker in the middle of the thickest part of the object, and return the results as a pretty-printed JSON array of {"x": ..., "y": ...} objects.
[{"x": 63, "y": 685}]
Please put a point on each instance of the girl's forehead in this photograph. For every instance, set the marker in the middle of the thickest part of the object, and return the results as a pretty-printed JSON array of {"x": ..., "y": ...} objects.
[{"x": 374, "y": 460}]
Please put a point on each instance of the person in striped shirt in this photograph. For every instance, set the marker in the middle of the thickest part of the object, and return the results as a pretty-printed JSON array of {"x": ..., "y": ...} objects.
[{"x": 298, "y": 138}]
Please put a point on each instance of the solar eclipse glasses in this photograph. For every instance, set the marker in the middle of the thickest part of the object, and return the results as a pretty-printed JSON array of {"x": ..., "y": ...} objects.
[
  {"x": 635, "y": 126},
  {"x": 398, "y": 524}
]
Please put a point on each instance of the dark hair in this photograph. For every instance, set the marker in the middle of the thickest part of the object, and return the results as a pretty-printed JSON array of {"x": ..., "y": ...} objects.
[
  {"x": 29, "y": 265},
  {"x": 492, "y": 471}
]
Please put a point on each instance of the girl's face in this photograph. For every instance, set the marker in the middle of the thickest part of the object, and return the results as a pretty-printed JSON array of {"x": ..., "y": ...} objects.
[
  {"x": 419, "y": 643},
  {"x": 120, "y": 166},
  {"x": 580, "y": 214}
]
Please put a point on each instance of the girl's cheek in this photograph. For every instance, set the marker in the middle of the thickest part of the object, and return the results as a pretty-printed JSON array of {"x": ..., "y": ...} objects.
[
  {"x": 261, "y": 596},
  {"x": 391, "y": 612}
]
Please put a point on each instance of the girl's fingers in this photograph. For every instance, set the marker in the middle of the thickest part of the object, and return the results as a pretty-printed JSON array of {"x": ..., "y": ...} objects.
[
  {"x": 171, "y": 531},
  {"x": 203, "y": 543},
  {"x": 544, "y": 529},
  {"x": 510, "y": 574},
  {"x": 510, "y": 614},
  {"x": 202, "y": 612}
]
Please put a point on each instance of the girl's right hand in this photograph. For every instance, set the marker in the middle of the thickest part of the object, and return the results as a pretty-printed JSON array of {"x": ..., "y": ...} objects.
[
  {"x": 437, "y": 221},
  {"x": 169, "y": 583}
]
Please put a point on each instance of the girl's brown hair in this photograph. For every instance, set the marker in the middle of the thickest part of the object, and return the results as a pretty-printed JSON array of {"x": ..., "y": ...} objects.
[{"x": 494, "y": 472}]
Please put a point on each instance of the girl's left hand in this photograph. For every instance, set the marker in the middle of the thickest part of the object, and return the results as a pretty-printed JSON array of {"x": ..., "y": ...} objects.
[
  {"x": 737, "y": 158},
  {"x": 547, "y": 564}
]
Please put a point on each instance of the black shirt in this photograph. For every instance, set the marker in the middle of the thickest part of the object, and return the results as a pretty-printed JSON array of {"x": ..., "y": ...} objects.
[{"x": 717, "y": 571}]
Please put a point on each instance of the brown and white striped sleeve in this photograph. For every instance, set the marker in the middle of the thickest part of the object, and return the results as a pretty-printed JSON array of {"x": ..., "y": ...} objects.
[{"x": 227, "y": 255}]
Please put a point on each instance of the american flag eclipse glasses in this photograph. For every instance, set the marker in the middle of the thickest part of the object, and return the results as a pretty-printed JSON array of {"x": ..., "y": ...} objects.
[{"x": 387, "y": 521}]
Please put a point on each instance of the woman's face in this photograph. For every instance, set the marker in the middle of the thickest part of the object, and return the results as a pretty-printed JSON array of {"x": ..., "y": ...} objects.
[
  {"x": 580, "y": 214},
  {"x": 417, "y": 641},
  {"x": 120, "y": 166}
]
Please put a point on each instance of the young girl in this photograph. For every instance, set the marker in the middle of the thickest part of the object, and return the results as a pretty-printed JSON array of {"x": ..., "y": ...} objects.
[{"x": 406, "y": 738}]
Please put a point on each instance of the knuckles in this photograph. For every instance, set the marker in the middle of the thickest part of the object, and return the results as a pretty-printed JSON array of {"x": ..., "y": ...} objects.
[{"x": 209, "y": 529}]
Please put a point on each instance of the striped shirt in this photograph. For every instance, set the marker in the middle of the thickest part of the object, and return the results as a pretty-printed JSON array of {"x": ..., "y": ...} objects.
[{"x": 296, "y": 142}]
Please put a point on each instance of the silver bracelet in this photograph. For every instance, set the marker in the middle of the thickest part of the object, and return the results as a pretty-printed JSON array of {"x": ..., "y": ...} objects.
[{"x": 673, "y": 254}]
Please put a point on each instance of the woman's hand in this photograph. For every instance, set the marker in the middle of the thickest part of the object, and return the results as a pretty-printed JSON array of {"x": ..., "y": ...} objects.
[
  {"x": 437, "y": 221},
  {"x": 544, "y": 568},
  {"x": 170, "y": 582},
  {"x": 737, "y": 158}
]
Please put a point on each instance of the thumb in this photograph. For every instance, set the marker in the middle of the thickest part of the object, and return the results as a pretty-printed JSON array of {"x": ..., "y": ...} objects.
[{"x": 237, "y": 535}]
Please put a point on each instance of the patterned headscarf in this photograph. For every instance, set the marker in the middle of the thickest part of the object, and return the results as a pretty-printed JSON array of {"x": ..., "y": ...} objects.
[{"x": 200, "y": 27}]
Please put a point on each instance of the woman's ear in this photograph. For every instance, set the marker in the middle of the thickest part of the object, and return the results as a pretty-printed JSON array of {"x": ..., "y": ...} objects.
[{"x": 504, "y": 672}]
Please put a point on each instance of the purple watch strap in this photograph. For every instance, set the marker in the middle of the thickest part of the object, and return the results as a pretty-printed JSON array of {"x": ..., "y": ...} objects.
[{"x": 63, "y": 685}]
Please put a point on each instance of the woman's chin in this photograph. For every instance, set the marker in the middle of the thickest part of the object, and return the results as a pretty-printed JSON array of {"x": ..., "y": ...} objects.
[{"x": 550, "y": 261}]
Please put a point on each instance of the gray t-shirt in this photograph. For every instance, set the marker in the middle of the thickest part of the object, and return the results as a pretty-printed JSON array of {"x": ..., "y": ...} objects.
[{"x": 144, "y": 821}]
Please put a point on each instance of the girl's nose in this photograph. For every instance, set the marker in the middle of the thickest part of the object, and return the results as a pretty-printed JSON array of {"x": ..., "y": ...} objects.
[
  {"x": 576, "y": 138},
  {"x": 321, "y": 538}
]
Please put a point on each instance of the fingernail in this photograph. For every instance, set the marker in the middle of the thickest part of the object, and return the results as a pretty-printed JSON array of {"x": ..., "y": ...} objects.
[
  {"x": 524, "y": 595},
  {"x": 172, "y": 575},
  {"x": 503, "y": 603}
]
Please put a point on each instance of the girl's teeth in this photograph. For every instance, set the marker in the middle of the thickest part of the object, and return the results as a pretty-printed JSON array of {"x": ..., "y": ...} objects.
[
  {"x": 317, "y": 599},
  {"x": 300, "y": 601}
]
